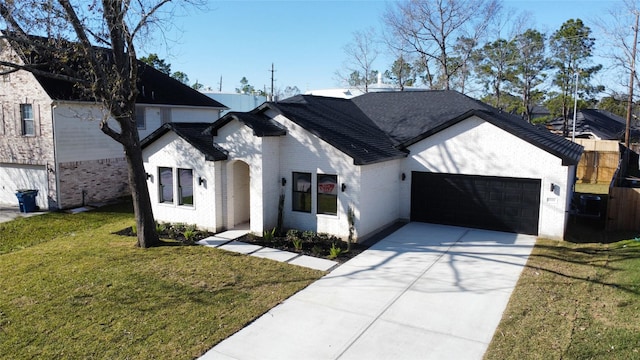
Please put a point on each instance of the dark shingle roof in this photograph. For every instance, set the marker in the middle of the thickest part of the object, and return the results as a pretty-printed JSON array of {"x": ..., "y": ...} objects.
[
  {"x": 154, "y": 87},
  {"x": 405, "y": 116},
  {"x": 378, "y": 127},
  {"x": 342, "y": 124},
  {"x": 259, "y": 123},
  {"x": 194, "y": 134},
  {"x": 601, "y": 123}
]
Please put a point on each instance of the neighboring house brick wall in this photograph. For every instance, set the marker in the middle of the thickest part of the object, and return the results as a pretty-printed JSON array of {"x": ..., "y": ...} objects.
[
  {"x": 85, "y": 182},
  {"x": 455, "y": 150},
  {"x": 18, "y": 88}
]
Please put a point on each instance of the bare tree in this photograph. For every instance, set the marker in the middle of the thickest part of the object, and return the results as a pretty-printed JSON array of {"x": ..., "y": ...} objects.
[
  {"x": 92, "y": 45},
  {"x": 361, "y": 53},
  {"x": 433, "y": 28},
  {"x": 620, "y": 29}
]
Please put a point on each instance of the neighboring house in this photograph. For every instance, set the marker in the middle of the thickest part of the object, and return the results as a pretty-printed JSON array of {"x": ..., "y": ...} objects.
[
  {"x": 432, "y": 156},
  {"x": 236, "y": 102},
  {"x": 595, "y": 124},
  {"x": 50, "y": 140},
  {"x": 351, "y": 92}
]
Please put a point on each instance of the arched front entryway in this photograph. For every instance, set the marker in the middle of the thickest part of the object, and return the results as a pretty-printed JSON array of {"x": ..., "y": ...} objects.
[{"x": 239, "y": 195}]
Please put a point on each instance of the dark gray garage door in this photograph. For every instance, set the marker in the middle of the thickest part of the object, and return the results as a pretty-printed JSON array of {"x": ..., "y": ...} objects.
[{"x": 495, "y": 203}]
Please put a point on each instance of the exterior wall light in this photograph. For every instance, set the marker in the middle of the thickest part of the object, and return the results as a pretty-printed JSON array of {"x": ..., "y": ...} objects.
[
  {"x": 201, "y": 180},
  {"x": 343, "y": 187}
]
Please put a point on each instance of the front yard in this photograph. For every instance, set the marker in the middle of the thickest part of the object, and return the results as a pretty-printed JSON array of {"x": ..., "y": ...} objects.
[
  {"x": 69, "y": 288},
  {"x": 574, "y": 301}
]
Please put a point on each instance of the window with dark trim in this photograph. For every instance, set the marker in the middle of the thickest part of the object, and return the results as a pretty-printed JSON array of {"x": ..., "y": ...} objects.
[
  {"x": 185, "y": 187},
  {"x": 26, "y": 119},
  {"x": 327, "y": 194},
  {"x": 301, "y": 192},
  {"x": 165, "y": 191}
]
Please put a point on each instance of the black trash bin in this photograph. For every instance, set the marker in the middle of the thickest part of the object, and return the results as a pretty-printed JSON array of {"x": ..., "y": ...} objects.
[{"x": 27, "y": 200}]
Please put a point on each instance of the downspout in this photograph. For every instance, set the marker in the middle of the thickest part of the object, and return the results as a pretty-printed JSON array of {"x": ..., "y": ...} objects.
[{"x": 55, "y": 152}]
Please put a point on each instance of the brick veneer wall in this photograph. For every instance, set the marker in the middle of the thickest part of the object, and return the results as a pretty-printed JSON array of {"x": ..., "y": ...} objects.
[
  {"x": 22, "y": 88},
  {"x": 84, "y": 182}
]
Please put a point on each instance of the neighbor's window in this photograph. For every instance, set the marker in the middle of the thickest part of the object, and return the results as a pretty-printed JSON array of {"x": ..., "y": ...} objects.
[
  {"x": 140, "y": 118},
  {"x": 301, "y": 192},
  {"x": 327, "y": 194},
  {"x": 185, "y": 187},
  {"x": 165, "y": 174},
  {"x": 26, "y": 116}
]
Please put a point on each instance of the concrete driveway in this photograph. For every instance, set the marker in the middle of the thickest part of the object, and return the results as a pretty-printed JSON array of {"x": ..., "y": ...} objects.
[{"x": 424, "y": 292}]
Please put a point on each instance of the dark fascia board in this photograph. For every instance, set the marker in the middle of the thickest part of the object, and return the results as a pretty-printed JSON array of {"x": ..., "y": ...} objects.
[
  {"x": 165, "y": 128},
  {"x": 567, "y": 159}
]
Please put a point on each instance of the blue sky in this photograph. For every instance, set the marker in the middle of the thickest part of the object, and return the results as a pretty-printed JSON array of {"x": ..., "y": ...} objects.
[{"x": 304, "y": 39}]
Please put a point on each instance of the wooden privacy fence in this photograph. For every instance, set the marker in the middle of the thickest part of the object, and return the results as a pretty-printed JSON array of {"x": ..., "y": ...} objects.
[
  {"x": 599, "y": 161},
  {"x": 623, "y": 209}
]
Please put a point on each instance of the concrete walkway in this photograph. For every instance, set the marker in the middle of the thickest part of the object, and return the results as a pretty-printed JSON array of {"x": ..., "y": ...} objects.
[
  {"x": 8, "y": 213},
  {"x": 424, "y": 292},
  {"x": 228, "y": 241}
]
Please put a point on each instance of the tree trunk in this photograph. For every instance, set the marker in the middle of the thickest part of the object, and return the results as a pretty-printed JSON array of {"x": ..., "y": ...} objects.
[{"x": 145, "y": 222}]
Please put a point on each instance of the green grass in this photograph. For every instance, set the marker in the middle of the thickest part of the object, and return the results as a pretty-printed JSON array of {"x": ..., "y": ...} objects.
[
  {"x": 592, "y": 188},
  {"x": 69, "y": 288},
  {"x": 574, "y": 301}
]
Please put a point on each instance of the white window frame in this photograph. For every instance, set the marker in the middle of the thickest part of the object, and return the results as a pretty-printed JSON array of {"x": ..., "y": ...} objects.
[{"x": 24, "y": 120}]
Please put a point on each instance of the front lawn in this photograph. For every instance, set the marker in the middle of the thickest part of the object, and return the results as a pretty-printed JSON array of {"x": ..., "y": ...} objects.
[
  {"x": 69, "y": 288},
  {"x": 574, "y": 301}
]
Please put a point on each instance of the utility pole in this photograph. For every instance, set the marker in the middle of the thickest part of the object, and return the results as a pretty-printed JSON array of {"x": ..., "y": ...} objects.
[
  {"x": 633, "y": 74},
  {"x": 220, "y": 84},
  {"x": 272, "y": 74},
  {"x": 575, "y": 108}
]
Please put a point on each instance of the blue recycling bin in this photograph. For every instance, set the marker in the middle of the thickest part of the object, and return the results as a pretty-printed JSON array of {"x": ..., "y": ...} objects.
[{"x": 27, "y": 200}]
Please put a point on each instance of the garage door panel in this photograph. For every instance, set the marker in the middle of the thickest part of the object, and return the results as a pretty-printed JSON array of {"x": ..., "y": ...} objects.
[
  {"x": 15, "y": 176},
  {"x": 497, "y": 203}
]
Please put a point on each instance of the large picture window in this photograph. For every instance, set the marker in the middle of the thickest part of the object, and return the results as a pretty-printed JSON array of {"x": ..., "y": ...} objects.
[
  {"x": 26, "y": 117},
  {"x": 327, "y": 194},
  {"x": 185, "y": 187},
  {"x": 165, "y": 174},
  {"x": 301, "y": 192}
]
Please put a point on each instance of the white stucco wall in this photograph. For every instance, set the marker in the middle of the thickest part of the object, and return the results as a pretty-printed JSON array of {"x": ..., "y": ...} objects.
[
  {"x": 303, "y": 152},
  {"x": 172, "y": 151},
  {"x": 380, "y": 200},
  {"x": 476, "y": 147}
]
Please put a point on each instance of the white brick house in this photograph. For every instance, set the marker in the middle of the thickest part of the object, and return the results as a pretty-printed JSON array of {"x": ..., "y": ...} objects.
[
  {"x": 50, "y": 139},
  {"x": 434, "y": 156}
]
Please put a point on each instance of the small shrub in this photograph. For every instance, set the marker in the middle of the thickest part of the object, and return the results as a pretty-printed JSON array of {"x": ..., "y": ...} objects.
[
  {"x": 317, "y": 250},
  {"x": 334, "y": 251},
  {"x": 297, "y": 243},
  {"x": 292, "y": 234},
  {"x": 134, "y": 229},
  {"x": 161, "y": 228},
  {"x": 308, "y": 235},
  {"x": 269, "y": 235},
  {"x": 189, "y": 235}
]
